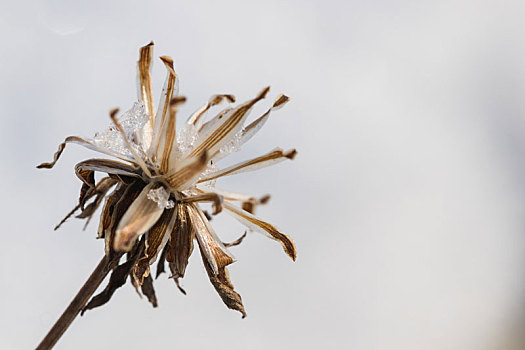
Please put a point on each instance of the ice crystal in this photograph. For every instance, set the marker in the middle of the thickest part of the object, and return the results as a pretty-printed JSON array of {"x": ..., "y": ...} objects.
[
  {"x": 132, "y": 121},
  {"x": 161, "y": 196},
  {"x": 187, "y": 138}
]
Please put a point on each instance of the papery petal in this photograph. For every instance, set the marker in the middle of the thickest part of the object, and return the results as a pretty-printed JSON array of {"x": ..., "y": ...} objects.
[
  {"x": 142, "y": 214},
  {"x": 121, "y": 199},
  {"x": 275, "y": 156},
  {"x": 259, "y": 225},
  {"x": 85, "y": 143},
  {"x": 249, "y": 131},
  {"x": 222, "y": 284},
  {"x": 226, "y": 127},
  {"x": 196, "y": 117},
  {"x": 161, "y": 119},
  {"x": 156, "y": 239},
  {"x": 180, "y": 244},
  {"x": 145, "y": 92},
  {"x": 188, "y": 172},
  {"x": 211, "y": 246}
]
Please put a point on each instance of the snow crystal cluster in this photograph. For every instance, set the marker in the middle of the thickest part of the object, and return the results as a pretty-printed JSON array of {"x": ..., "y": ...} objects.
[
  {"x": 162, "y": 197},
  {"x": 132, "y": 121}
]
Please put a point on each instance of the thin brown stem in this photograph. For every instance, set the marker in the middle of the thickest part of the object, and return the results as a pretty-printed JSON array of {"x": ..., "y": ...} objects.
[{"x": 76, "y": 305}]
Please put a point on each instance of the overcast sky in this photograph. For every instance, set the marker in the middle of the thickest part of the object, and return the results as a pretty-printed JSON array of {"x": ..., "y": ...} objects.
[{"x": 406, "y": 200}]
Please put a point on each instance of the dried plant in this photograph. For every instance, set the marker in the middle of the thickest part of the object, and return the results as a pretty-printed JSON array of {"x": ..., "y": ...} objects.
[{"x": 151, "y": 196}]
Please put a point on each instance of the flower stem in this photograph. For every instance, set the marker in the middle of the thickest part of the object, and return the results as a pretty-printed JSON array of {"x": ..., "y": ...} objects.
[{"x": 76, "y": 305}]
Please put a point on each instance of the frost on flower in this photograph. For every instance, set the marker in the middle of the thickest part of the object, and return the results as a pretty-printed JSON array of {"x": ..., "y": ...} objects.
[
  {"x": 112, "y": 140},
  {"x": 162, "y": 197}
]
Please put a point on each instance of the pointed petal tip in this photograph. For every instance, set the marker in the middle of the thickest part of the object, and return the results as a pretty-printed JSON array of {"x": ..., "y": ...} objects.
[
  {"x": 291, "y": 154},
  {"x": 280, "y": 101}
]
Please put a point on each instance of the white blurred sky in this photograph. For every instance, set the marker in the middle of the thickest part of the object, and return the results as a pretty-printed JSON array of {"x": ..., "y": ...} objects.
[{"x": 406, "y": 200}]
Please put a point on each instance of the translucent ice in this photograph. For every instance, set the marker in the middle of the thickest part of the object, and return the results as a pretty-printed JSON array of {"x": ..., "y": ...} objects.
[
  {"x": 132, "y": 121},
  {"x": 161, "y": 196}
]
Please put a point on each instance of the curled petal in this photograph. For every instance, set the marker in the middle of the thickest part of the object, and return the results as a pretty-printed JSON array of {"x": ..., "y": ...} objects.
[
  {"x": 196, "y": 117},
  {"x": 142, "y": 214},
  {"x": 215, "y": 198},
  {"x": 262, "y": 226},
  {"x": 83, "y": 142}
]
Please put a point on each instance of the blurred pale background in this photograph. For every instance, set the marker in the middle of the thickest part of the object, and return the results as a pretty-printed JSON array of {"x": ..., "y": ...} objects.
[{"x": 406, "y": 200}]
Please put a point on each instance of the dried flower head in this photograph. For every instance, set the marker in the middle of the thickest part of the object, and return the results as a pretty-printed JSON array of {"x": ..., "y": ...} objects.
[{"x": 152, "y": 212}]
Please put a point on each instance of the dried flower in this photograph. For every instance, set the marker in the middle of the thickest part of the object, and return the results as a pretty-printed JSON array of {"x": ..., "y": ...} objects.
[{"x": 152, "y": 213}]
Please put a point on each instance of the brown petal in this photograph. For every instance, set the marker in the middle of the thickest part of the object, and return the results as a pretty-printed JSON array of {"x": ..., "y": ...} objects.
[
  {"x": 140, "y": 217},
  {"x": 161, "y": 263},
  {"x": 161, "y": 119},
  {"x": 156, "y": 239},
  {"x": 275, "y": 156},
  {"x": 189, "y": 171},
  {"x": 211, "y": 246},
  {"x": 215, "y": 198},
  {"x": 149, "y": 291},
  {"x": 124, "y": 197},
  {"x": 144, "y": 77},
  {"x": 227, "y": 127},
  {"x": 213, "y": 101},
  {"x": 83, "y": 142},
  {"x": 256, "y": 223},
  {"x": 222, "y": 284},
  {"x": 255, "y": 126},
  {"x": 180, "y": 244},
  {"x": 236, "y": 242}
]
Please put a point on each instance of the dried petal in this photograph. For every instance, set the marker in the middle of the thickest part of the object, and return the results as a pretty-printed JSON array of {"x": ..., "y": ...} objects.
[
  {"x": 215, "y": 198},
  {"x": 196, "y": 117},
  {"x": 139, "y": 218},
  {"x": 222, "y": 284},
  {"x": 211, "y": 246},
  {"x": 161, "y": 119},
  {"x": 149, "y": 291},
  {"x": 275, "y": 156},
  {"x": 236, "y": 242},
  {"x": 262, "y": 226},
  {"x": 180, "y": 244},
  {"x": 226, "y": 127},
  {"x": 144, "y": 77},
  {"x": 190, "y": 169},
  {"x": 156, "y": 239}
]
